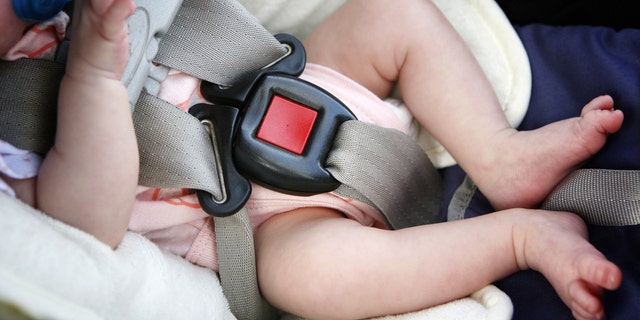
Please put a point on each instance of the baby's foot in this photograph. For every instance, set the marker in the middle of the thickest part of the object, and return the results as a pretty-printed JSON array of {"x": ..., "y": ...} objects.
[
  {"x": 529, "y": 164},
  {"x": 100, "y": 32},
  {"x": 556, "y": 246}
]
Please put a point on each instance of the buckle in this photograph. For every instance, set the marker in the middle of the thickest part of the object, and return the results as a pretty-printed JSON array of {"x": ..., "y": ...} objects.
[
  {"x": 286, "y": 125},
  {"x": 221, "y": 123}
]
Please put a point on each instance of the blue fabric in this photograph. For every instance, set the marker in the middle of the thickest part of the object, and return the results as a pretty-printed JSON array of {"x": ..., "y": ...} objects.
[
  {"x": 570, "y": 66},
  {"x": 37, "y": 10}
]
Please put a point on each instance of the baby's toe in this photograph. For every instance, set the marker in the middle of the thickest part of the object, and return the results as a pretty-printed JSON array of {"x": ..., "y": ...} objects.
[
  {"x": 601, "y": 272},
  {"x": 586, "y": 300}
]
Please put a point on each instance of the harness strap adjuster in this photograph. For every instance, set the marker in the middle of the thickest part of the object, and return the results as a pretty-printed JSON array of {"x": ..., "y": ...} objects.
[{"x": 285, "y": 129}]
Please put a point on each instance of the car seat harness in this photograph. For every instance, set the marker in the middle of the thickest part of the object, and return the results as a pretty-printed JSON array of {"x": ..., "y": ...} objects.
[{"x": 273, "y": 128}]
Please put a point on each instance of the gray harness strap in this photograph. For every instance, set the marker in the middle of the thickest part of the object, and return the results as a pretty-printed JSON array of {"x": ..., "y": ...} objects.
[
  {"x": 461, "y": 199},
  {"x": 28, "y": 96},
  {"x": 390, "y": 170},
  {"x": 175, "y": 149},
  {"x": 236, "y": 258},
  {"x": 215, "y": 40},
  {"x": 600, "y": 196},
  {"x": 227, "y": 44}
]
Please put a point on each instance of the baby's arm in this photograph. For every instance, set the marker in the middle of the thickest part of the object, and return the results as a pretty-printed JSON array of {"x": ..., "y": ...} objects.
[{"x": 88, "y": 178}]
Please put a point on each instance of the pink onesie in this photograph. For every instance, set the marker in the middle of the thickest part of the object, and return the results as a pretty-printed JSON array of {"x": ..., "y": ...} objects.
[{"x": 172, "y": 218}]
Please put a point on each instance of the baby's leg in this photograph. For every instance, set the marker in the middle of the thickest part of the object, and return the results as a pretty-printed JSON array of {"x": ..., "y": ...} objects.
[
  {"x": 318, "y": 264},
  {"x": 523, "y": 167},
  {"x": 554, "y": 243},
  {"x": 88, "y": 178},
  {"x": 379, "y": 42}
]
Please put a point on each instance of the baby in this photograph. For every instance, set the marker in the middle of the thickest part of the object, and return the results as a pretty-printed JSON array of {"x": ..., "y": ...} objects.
[{"x": 312, "y": 260}]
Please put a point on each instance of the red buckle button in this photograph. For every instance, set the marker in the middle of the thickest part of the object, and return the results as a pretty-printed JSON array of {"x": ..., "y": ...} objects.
[{"x": 287, "y": 124}]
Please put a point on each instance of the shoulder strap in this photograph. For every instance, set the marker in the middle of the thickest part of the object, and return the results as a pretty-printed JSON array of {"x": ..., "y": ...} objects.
[
  {"x": 173, "y": 163},
  {"x": 215, "y": 40},
  {"x": 28, "y": 95},
  {"x": 227, "y": 43}
]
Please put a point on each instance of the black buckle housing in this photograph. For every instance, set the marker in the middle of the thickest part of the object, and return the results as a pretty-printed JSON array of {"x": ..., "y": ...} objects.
[
  {"x": 221, "y": 123},
  {"x": 269, "y": 164},
  {"x": 286, "y": 130}
]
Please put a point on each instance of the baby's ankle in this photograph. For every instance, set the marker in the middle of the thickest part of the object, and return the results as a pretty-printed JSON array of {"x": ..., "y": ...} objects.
[{"x": 543, "y": 237}]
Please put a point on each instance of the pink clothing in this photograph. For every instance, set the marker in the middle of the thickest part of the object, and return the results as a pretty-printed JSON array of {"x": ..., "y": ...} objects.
[
  {"x": 173, "y": 218},
  {"x": 41, "y": 40}
]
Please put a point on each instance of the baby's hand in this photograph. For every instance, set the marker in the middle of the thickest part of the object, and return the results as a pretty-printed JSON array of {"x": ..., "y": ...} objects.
[{"x": 100, "y": 45}]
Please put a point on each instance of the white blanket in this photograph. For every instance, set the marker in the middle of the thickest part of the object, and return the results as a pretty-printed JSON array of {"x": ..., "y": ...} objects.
[
  {"x": 54, "y": 271},
  {"x": 50, "y": 270}
]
